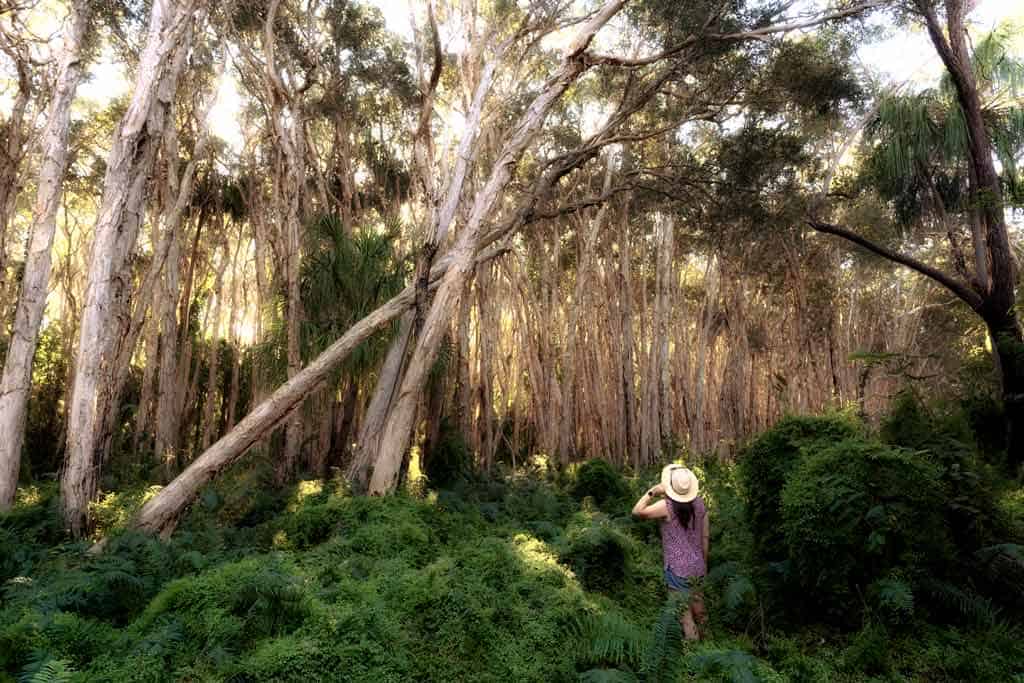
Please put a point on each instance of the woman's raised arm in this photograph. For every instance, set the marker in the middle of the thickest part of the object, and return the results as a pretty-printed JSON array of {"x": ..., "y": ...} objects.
[{"x": 644, "y": 509}]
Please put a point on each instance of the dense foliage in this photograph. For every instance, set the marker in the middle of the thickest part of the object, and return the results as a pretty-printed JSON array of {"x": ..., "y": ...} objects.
[{"x": 537, "y": 576}]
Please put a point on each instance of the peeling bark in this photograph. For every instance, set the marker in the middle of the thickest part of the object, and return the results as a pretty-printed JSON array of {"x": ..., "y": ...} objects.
[{"x": 17, "y": 372}]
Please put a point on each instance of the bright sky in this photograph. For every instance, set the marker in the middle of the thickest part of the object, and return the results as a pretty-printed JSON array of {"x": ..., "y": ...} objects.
[
  {"x": 909, "y": 55},
  {"x": 906, "y": 55}
]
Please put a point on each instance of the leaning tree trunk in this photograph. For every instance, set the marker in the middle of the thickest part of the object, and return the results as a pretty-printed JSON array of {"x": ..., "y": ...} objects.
[
  {"x": 129, "y": 165},
  {"x": 398, "y": 429},
  {"x": 441, "y": 216},
  {"x": 160, "y": 515},
  {"x": 384, "y": 391},
  {"x": 162, "y": 512},
  {"x": 17, "y": 372}
]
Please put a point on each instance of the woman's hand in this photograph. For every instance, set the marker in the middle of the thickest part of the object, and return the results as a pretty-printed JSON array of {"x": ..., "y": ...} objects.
[{"x": 647, "y": 509}]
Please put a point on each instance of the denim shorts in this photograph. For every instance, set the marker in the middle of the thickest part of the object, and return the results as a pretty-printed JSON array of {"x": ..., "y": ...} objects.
[{"x": 676, "y": 583}]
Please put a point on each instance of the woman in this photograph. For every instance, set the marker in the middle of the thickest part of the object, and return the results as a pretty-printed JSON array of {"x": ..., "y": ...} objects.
[{"x": 684, "y": 537}]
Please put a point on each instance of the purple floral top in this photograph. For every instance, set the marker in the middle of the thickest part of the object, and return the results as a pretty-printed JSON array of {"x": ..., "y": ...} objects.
[{"x": 682, "y": 548}]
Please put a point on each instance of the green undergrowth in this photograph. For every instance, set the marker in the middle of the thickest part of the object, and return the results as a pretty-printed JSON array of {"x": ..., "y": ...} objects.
[{"x": 538, "y": 575}]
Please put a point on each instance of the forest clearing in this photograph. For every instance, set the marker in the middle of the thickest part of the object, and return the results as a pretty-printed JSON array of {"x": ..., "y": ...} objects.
[{"x": 518, "y": 340}]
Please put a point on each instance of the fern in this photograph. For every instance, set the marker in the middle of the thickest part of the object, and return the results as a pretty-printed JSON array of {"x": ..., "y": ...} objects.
[
  {"x": 736, "y": 666},
  {"x": 611, "y": 638},
  {"x": 608, "y": 676},
  {"x": 1004, "y": 557},
  {"x": 661, "y": 662},
  {"x": 895, "y": 596},
  {"x": 975, "y": 608},
  {"x": 43, "y": 668},
  {"x": 737, "y": 591}
]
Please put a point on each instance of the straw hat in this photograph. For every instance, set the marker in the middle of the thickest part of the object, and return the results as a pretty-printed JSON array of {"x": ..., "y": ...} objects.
[{"x": 680, "y": 483}]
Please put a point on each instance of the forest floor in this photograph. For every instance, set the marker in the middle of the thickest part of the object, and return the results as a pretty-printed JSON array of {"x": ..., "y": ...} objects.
[{"x": 521, "y": 577}]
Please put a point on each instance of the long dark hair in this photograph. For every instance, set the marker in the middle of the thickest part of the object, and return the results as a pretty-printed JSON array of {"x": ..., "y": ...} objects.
[{"x": 683, "y": 512}]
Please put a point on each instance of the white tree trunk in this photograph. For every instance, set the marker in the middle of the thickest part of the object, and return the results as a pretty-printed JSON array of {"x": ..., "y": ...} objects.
[
  {"x": 632, "y": 439},
  {"x": 398, "y": 429},
  {"x": 129, "y": 165},
  {"x": 213, "y": 364},
  {"x": 17, "y": 372},
  {"x": 384, "y": 391},
  {"x": 12, "y": 153},
  {"x": 587, "y": 245},
  {"x": 698, "y": 438},
  {"x": 291, "y": 140},
  {"x": 166, "y": 267},
  {"x": 168, "y": 402},
  {"x": 663, "y": 311}
]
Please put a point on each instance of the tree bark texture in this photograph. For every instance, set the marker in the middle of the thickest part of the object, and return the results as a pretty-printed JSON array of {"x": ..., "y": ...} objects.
[
  {"x": 398, "y": 429},
  {"x": 129, "y": 166},
  {"x": 17, "y": 372}
]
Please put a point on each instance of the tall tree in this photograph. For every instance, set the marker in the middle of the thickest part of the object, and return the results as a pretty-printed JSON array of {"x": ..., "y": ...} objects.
[
  {"x": 398, "y": 429},
  {"x": 489, "y": 223},
  {"x": 17, "y": 371},
  {"x": 129, "y": 165},
  {"x": 990, "y": 288},
  {"x": 14, "y": 137}
]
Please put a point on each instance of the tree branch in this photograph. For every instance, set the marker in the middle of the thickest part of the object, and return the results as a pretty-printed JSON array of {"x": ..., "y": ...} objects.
[
  {"x": 631, "y": 62},
  {"x": 961, "y": 290}
]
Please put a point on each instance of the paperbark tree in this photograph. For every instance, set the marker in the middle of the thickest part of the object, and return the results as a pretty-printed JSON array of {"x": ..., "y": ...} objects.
[
  {"x": 161, "y": 513},
  {"x": 14, "y": 137},
  {"x": 129, "y": 165},
  {"x": 398, "y": 429},
  {"x": 286, "y": 114},
  {"x": 17, "y": 372}
]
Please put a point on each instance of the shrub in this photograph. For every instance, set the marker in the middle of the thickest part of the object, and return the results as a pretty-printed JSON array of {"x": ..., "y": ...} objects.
[
  {"x": 868, "y": 651},
  {"x": 231, "y": 606},
  {"x": 600, "y": 481},
  {"x": 599, "y": 554},
  {"x": 765, "y": 464},
  {"x": 972, "y": 511},
  {"x": 856, "y": 510}
]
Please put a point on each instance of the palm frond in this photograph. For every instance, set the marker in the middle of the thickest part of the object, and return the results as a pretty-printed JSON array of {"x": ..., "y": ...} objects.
[{"x": 995, "y": 65}]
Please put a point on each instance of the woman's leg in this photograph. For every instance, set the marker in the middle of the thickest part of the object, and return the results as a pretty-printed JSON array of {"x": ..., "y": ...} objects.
[
  {"x": 677, "y": 584},
  {"x": 699, "y": 612},
  {"x": 689, "y": 627}
]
